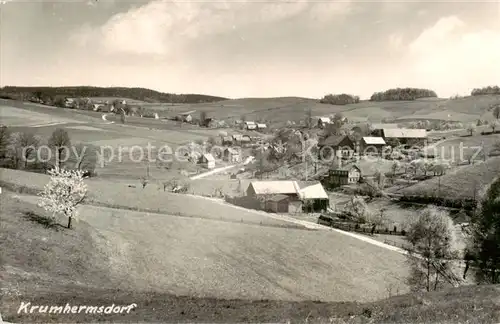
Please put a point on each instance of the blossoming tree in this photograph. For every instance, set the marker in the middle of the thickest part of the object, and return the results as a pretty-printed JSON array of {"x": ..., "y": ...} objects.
[{"x": 64, "y": 192}]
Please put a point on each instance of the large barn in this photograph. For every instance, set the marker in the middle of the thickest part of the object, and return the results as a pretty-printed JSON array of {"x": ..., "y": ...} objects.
[{"x": 302, "y": 195}]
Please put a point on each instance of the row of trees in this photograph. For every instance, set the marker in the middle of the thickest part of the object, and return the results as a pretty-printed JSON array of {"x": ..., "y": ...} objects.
[
  {"x": 489, "y": 90},
  {"x": 142, "y": 94},
  {"x": 17, "y": 149},
  {"x": 339, "y": 99},
  {"x": 403, "y": 94}
]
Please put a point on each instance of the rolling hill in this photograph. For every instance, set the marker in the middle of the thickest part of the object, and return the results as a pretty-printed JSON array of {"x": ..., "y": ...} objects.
[
  {"x": 466, "y": 109},
  {"x": 464, "y": 183},
  {"x": 141, "y": 94}
]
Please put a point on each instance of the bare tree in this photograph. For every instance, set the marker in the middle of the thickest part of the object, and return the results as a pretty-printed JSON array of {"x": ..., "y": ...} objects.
[
  {"x": 432, "y": 239},
  {"x": 494, "y": 125},
  {"x": 22, "y": 146},
  {"x": 359, "y": 209},
  {"x": 60, "y": 142},
  {"x": 84, "y": 157},
  {"x": 308, "y": 118},
  {"x": 471, "y": 128},
  {"x": 144, "y": 182},
  {"x": 4, "y": 141},
  {"x": 496, "y": 111}
]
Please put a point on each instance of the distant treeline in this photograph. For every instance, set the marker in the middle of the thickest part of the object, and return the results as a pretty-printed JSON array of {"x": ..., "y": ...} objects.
[
  {"x": 339, "y": 99},
  {"x": 142, "y": 94},
  {"x": 490, "y": 90},
  {"x": 402, "y": 94}
]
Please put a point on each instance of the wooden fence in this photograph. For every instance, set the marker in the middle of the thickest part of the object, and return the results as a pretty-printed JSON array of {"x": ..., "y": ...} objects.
[{"x": 352, "y": 227}]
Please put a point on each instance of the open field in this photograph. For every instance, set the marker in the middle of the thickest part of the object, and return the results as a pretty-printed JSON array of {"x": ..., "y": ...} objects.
[
  {"x": 60, "y": 271},
  {"x": 12, "y": 116},
  {"x": 464, "y": 182},
  {"x": 118, "y": 194},
  {"x": 207, "y": 258},
  {"x": 451, "y": 149}
]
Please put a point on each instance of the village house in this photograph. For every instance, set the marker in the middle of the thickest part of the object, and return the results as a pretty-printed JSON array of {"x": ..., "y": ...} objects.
[
  {"x": 402, "y": 135},
  {"x": 371, "y": 145},
  {"x": 323, "y": 121},
  {"x": 227, "y": 140},
  {"x": 341, "y": 176},
  {"x": 301, "y": 195},
  {"x": 207, "y": 160},
  {"x": 69, "y": 103},
  {"x": 261, "y": 126},
  {"x": 186, "y": 117},
  {"x": 245, "y": 140},
  {"x": 250, "y": 125},
  {"x": 340, "y": 146},
  {"x": 232, "y": 155}
]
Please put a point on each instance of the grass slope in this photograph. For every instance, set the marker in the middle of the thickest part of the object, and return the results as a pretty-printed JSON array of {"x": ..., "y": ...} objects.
[
  {"x": 466, "y": 182},
  {"x": 206, "y": 258},
  {"x": 58, "y": 267}
]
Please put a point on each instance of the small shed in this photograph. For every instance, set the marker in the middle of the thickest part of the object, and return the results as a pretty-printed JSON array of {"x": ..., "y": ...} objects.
[
  {"x": 261, "y": 126},
  {"x": 277, "y": 204},
  {"x": 208, "y": 160}
]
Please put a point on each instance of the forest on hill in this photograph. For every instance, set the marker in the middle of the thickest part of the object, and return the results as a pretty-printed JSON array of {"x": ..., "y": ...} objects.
[
  {"x": 403, "y": 94},
  {"x": 339, "y": 99},
  {"x": 489, "y": 90},
  {"x": 142, "y": 94}
]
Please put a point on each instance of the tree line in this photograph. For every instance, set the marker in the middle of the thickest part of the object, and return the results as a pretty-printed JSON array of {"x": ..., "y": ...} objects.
[
  {"x": 339, "y": 99},
  {"x": 22, "y": 150},
  {"x": 143, "y": 94},
  {"x": 403, "y": 94},
  {"x": 489, "y": 90}
]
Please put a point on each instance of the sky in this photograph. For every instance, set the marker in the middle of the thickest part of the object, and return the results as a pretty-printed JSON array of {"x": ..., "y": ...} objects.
[{"x": 253, "y": 48}]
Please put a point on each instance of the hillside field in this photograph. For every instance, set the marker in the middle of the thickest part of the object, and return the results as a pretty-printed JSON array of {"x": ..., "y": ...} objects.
[
  {"x": 464, "y": 182},
  {"x": 209, "y": 258},
  {"x": 59, "y": 271}
]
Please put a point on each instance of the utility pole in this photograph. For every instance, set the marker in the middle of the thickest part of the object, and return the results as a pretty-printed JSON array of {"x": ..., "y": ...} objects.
[{"x": 482, "y": 149}]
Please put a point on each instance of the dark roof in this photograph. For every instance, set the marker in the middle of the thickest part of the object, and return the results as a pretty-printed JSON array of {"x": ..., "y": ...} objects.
[
  {"x": 334, "y": 140},
  {"x": 278, "y": 198},
  {"x": 348, "y": 167}
]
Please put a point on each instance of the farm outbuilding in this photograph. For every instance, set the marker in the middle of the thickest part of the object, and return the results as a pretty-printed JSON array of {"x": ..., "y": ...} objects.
[
  {"x": 278, "y": 204},
  {"x": 232, "y": 155},
  {"x": 207, "y": 160},
  {"x": 302, "y": 195},
  {"x": 403, "y": 135},
  {"x": 372, "y": 145}
]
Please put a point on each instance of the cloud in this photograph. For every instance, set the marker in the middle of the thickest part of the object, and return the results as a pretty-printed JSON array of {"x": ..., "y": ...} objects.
[
  {"x": 160, "y": 27},
  {"x": 451, "y": 56}
]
